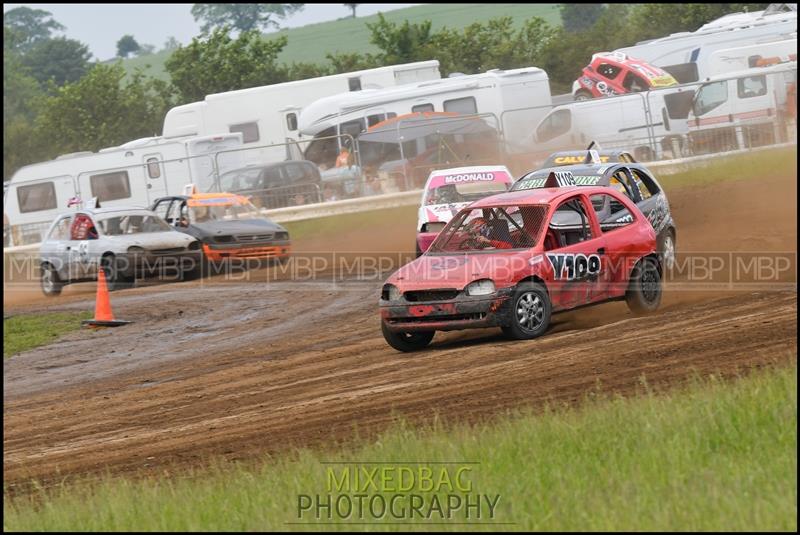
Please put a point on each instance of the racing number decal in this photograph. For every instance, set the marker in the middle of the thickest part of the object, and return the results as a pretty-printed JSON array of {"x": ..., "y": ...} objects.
[
  {"x": 574, "y": 266},
  {"x": 83, "y": 251}
]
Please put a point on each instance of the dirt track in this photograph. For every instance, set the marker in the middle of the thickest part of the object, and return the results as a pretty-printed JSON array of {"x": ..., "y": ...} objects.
[{"x": 238, "y": 368}]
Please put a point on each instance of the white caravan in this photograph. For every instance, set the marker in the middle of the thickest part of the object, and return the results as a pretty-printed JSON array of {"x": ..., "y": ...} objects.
[
  {"x": 746, "y": 57},
  {"x": 516, "y": 99},
  {"x": 650, "y": 125},
  {"x": 686, "y": 55},
  {"x": 744, "y": 109},
  {"x": 135, "y": 173},
  {"x": 267, "y": 115}
]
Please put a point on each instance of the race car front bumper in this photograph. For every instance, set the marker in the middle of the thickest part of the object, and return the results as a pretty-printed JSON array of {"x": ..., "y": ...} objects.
[
  {"x": 461, "y": 312},
  {"x": 262, "y": 252}
]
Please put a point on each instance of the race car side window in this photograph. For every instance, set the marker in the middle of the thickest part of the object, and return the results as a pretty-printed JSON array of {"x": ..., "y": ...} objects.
[
  {"x": 61, "y": 229},
  {"x": 647, "y": 187},
  {"x": 607, "y": 70},
  {"x": 162, "y": 209},
  {"x": 611, "y": 212},
  {"x": 569, "y": 225}
]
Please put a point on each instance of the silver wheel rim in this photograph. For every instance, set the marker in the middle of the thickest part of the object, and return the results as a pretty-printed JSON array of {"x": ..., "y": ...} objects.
[
  {"x": 47, "y": 280},
  {"x": 530, "y": 311},
  {"x": 669, "y": 251}
]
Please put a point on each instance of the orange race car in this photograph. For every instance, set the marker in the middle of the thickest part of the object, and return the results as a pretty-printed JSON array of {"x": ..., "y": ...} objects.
[{"x": 228, "y": 225}]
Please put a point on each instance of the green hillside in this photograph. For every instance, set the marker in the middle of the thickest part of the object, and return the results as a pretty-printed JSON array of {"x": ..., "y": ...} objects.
[{"x": 310, "y": 43}]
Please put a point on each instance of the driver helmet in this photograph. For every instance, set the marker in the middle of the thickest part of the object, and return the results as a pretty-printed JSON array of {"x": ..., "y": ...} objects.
[{"x": 477, "y": 225}]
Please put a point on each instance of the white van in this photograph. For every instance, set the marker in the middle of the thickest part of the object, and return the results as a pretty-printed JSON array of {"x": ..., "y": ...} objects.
[
  {"x": 686, "y": 55},
  {"x": 650, "y": 125},
  {"x": 515, "y": 98},
  {"x": 748, "y": 108},
  {"x": 268, "y": 115},
  {"x": 757, "y": 55},
  {"x": 135, "y": 173}
]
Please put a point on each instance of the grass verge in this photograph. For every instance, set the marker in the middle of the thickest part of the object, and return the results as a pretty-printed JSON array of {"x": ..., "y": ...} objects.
[
  {"x": 711, "y": 455},
  {"x": 758, "y": 165},
  {"x": 28, "y": 331}
]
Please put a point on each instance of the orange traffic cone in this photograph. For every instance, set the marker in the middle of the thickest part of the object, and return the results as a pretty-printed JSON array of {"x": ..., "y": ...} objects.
[{"x": 103, "y": 317}]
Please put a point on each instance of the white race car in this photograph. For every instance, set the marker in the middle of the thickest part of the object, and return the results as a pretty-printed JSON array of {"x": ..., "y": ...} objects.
[{"x": 449, "y": 190}]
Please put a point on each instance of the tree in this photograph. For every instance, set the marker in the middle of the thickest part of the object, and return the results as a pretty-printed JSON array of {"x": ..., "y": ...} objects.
[
  {"x": 402, "y": 44},
  {"x": 578, "y": 17},
  {"x": 61, "y": 60},
  {"x": 171, "y": 44},
  {"x": 146, "y": 50},
  {"x": 100, "y": 111},
  {"x": 242, "y": 17},
  {"x": 219, "y": 63},
  {"x": 126, "y": 45},
  {"x": 352, "y": 61},
  {"x": 32, "y": 25},
  {"x": 352, "y": 8},
  {"x": 672, "y": 18}
]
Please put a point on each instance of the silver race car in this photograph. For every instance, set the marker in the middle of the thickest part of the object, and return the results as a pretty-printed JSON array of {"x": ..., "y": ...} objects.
[{"x": 124, "y": 242}]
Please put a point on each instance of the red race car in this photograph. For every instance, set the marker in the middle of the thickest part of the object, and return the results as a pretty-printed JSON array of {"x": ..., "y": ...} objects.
[
  {"x": 614, "y": 73},
  {"x": 510, "y": 260}
]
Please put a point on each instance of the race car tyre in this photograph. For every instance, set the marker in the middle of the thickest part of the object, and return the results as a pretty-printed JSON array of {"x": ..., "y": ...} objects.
[
  {"x": 407, "y": 342},
  {"x": 530, "y": 313},
  {"x": 50, "y": 281},
  {"x": 644, "y": 289},
  {"x": 115, "y": 279},
  {"x": 582, "y": 94},
  {"x": 666, "y": 248}
]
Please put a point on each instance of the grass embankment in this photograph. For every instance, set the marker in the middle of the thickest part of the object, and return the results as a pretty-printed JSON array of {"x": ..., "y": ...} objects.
[
  {"x": 28, "y": 331},
  {"x": 310, "y": 43},
  {"x": 713, "y": 455}
]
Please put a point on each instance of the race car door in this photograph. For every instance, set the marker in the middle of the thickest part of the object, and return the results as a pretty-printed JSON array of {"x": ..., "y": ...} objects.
[{"x": 575, "y": 249}]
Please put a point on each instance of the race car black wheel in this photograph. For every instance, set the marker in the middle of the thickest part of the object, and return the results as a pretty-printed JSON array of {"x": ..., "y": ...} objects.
[
  {"x": 407, "y": 342},
  {"x": 644, "y": 289},
  {"x": 50, "y": 281},
  {"x": 530, "y": 312},
  {"x": 582, "y": 94},
  {"x": 666, "y": 248}
]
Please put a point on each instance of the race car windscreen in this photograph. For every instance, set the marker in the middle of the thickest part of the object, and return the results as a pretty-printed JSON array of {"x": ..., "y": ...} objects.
[
  {"x": 132, "y": 224},
  {"x": 222, "y": 211},
  {"x": 465, "y": 192},
  {"x": 490, "y": 229}
]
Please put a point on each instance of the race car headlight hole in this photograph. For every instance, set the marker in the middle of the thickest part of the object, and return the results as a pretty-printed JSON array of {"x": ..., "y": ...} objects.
[
  {"x": 282, "y": 236},
  {"x": 223, "y": 239},
  {"x": 133, "y": 249},
  {"x": 434, "y": 227},
  {"x": 390, "y": 292},
  {"x": 480, "y": 287},
  {"x": 194, "y": 246}
]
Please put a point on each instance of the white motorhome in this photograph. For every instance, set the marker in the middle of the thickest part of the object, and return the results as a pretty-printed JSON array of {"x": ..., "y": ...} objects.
[
  {"x": 649, "y": 125},
  {"x": 746, "y": 57},
  {"x": 268, "y": 115},
  {"x": 516, "y": 99},
  {"x": 135, "y": 173},
  {"x": 744, "y": 109},
  {"x": 686, "y": 55}
]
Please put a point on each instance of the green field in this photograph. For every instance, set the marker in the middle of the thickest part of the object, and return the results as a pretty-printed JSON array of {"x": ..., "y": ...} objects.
[
  {"x": 28, "y": 331},
  {"x": 711, "y": 455},
  {"x": 312, "y": 42}
]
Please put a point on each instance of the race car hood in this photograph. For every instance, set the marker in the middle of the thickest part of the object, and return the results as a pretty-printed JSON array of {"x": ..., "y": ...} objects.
[
  {"x": 234, "y": 227},
  {"x": 431, "y": 271}
]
